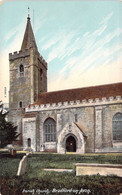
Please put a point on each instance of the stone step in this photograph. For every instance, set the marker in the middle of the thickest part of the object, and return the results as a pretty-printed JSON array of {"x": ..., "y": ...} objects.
[{"x": 59, "y": 170}]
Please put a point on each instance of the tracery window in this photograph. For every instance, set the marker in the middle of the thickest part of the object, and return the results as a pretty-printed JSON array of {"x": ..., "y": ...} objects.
[
  {"x": 21, "y": 70},
  {"x": 50, "y": 130},
  {"x": 117, "y": 126}
]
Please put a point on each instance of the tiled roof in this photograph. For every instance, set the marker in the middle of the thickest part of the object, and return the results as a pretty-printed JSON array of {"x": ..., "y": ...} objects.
[
  {"x": 81, "y": 93},
  {"x": 80, "y": 129}
]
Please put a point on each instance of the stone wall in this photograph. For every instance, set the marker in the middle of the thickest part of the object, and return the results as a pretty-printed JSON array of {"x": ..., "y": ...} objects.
[
  {"x": 19, "y": 85},
  {"x": 15, "y": 116},
  {"x": 94, "y": 119},
  {"x": 29, "y": 132},
  {"x": 98, "y": 127},
  {"x": 108, "y": 112},
  {"x": 86, "y": 121},
  {"x": 102, "y": 169},
  {"x": 25, "y": 87},
  {"x": 46, "y": 146},
  {"x": 64, "y": 118}
]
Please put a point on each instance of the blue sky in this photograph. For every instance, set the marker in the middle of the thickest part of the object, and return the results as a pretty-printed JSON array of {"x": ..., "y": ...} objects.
[{"x": 80, "y": 40}]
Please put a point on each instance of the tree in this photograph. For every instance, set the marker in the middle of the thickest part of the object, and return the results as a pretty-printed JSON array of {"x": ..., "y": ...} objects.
[{"x": 8, "y": 132}]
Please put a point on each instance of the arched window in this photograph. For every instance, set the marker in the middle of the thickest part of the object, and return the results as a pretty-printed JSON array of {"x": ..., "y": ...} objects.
[
  {"x": 50, "y": 130},
  {"x": 41, "y": 72},
  {"x": 29, "y": 142},
  {"x": 21, "y": 70},
  {"x": 20, "y": 104},
  {"x": 117, "y": 126}
]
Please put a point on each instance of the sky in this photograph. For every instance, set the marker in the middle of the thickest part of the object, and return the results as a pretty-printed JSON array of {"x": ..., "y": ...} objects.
[{"x": 81, "y": 40}]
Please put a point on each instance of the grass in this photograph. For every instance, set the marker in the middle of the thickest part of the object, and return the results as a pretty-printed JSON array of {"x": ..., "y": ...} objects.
[
  {"x": 9, "y": 164},
  {"x": 40, "y": 161},
  {"x": 37, "y": 179}
]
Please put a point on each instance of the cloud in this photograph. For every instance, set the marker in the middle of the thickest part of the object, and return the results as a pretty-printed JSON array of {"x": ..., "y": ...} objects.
[
  {"x": 62, "y": 47},
  {"x": 88, "y": 59},
  {"x": 4, "y": 57},
  {"x": 97, "y": 62},
  {"x": 49, "y": 43},
  {"x": 106, "y": 19},
  {"x": 94, "y": 76},
  {"x": 10, "y": 34}
]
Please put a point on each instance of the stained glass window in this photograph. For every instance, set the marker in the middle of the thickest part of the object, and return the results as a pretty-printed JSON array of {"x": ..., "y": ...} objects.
[
  {"x": 50, "y": 130},
  {"x": 117, "y": 126}
]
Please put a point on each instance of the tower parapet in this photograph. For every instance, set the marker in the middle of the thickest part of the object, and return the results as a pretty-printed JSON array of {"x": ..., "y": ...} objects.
[
  {"x": 42, "y": 60},
  {"x": 19, "y": 54}
]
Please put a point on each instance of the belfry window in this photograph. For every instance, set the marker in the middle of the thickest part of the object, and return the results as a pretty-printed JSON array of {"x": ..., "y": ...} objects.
[
  {"x": 50, "y": 130},
  {"x": 21, "y": 70},
  {"x": 41, "y": 72},
  {"x": 117, "y": 126}
]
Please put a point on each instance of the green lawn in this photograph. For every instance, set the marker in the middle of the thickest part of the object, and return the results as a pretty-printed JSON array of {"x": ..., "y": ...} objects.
[
  {"x": 38, "y": 162},
  {"x": 37, "y": 181},
  {"x": 9, "y": 164}
]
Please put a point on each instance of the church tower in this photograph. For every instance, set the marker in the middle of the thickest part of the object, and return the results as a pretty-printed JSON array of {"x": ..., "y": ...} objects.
[{"x": 28, "y": 76}]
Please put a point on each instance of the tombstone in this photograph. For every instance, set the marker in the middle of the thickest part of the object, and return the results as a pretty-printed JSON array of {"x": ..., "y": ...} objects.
[{"x": 13, "y": 152}]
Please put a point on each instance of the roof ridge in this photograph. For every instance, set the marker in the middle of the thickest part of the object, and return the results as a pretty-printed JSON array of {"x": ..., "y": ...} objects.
[{"x": 94, "y": 86}]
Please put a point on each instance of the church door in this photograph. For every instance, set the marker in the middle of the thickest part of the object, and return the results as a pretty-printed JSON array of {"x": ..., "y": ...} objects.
[{"x": 70, "y": 144}]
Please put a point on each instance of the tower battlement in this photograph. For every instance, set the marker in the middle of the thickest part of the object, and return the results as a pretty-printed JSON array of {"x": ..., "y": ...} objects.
[
  {"x": 42, "y": 60},
  {"x": 19, "y": 54}
]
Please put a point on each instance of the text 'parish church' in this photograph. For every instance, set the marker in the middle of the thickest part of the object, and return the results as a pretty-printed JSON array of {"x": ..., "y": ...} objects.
[{"x": 76, "y": 120}]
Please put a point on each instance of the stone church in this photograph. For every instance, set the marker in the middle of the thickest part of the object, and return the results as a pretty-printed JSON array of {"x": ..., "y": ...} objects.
[{"x": 82, "y": 120}]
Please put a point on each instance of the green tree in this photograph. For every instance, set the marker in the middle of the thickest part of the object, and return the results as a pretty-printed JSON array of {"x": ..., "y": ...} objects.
[{"x": 8, "y": 132}]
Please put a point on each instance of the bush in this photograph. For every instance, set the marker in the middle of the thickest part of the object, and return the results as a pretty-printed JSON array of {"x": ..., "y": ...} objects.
[{"x": 96, "y": 184}]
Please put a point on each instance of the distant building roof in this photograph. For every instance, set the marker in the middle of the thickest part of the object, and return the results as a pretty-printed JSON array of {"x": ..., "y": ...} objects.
[{"x": 81, "y": 93}]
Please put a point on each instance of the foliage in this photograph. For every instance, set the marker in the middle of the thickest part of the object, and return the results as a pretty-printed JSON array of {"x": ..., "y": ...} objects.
[
  {"x": 96, "y": 184},
  {"x": 8, "y": 132}
]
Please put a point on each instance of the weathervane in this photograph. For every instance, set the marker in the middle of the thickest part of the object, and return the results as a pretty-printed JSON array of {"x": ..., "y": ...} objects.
[{"x": 28, "y": 12}]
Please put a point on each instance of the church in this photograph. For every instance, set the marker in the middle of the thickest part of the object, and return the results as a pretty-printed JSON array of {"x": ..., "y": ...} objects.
[{"x": 82, "y": 120}]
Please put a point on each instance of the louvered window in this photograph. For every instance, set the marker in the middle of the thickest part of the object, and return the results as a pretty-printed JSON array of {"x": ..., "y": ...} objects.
[{"x": 21, "y": 70}]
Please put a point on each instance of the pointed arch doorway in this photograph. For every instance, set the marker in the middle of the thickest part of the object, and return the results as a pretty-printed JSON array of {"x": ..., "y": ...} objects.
[{"x": 70, "y": 144}]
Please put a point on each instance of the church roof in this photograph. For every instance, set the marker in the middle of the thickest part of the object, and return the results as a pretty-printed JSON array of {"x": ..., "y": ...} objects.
[
  {"x": 80, "y": 129},
  {"x": 81, "y": 94},
  {"x": 28, "y": 40}
]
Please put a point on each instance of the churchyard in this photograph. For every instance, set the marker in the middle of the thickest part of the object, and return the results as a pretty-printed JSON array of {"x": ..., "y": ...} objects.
[{"x": 39, "y": 181}]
